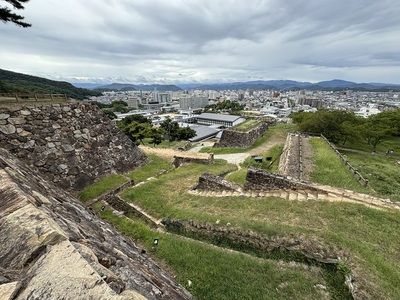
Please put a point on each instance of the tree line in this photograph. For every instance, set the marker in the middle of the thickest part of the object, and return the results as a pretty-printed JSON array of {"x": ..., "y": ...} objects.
[
  {"x": 138, "y": 127},
  {"x": 340, "y": 126}
]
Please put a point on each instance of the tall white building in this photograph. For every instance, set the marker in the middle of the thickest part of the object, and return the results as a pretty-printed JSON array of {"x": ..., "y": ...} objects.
[{"x": 192, "y": 102}]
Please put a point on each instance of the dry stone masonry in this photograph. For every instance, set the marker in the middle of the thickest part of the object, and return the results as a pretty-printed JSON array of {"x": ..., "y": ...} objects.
[
  {"x": 233, "y": 138},
  {"x": 51, "y": 247},
  {"x": 71, "y": 144}
]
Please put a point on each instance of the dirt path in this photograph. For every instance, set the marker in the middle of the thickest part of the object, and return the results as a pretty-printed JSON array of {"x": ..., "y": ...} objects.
[
  {"x": 170, "y": 153},
  {"x": 276, "y": 139}
]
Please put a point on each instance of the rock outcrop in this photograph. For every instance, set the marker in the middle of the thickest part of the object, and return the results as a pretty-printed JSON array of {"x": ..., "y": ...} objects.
[
  {"x": 71, "y": 144},
  {"x": 52, "y": 247}
]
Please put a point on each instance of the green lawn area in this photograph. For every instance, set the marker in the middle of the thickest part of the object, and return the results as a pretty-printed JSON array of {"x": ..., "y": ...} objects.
[
  {"x": 367, "y": 238},
  {"x": 382, "y": 172},
  {"x": 153, "y": 168},
  {"x": 247, "y": 125},
  {"x": 103, "y": 185},
  {"x": 217, "y": 274},
  {"x": 330, "y": 170},
  {"x": 278, "y": 131}
]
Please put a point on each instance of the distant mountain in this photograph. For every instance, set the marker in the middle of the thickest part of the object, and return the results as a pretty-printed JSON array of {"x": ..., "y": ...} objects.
[
  {"x": 336, "y": 83},
  {"x": 89, "y": 86},
  {"x": 133, "y": 87},
  {"x": 12, "y": 82},
  {"x": 279, "y": 85},
  {"x": 332, "y": 85}
]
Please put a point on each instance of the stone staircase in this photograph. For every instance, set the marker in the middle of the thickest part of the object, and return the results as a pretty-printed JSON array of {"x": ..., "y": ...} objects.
[{"x": 319, "y": 192}]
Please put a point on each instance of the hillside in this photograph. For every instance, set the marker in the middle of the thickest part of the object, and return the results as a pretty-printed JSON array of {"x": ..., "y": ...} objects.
[{"x": 12, "y": 82}]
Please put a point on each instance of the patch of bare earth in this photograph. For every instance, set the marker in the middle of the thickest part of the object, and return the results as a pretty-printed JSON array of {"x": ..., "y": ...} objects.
[
  {"x": 167, "y": 153},
  {"x": 274, "y": 140},
  {"x": 308, "y": 154}
]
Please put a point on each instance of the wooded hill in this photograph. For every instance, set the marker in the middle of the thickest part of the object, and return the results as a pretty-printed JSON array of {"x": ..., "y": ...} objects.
[{"x": 12, "y": 82}]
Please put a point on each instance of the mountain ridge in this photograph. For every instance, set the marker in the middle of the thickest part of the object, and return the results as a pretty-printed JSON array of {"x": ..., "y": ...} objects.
[{"x": 13, "y": 82}]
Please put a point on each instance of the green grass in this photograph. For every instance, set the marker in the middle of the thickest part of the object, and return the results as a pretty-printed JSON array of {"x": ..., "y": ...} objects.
[
  {"x": 273, "y": 152},
  {"x": 103, "y": 185},
  {"x": 390, "y": 143},
  {"x": 165, "y": 144},
  {"x": 381, "y": 171},
  {"x": 153, "y": 168},
  {"x": 330, "y": 170},
  {"x": 247, "y": 125},
  {"x": 278, "y": 131},
  {"x": 222, "y": 150},
  {"x": 238, "y": 176},
  {"x": 217, "y": 274},
  {"x": 368, "y": 236}
]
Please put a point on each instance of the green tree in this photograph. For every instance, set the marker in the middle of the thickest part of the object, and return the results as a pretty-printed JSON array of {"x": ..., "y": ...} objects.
[
  {"x": 110, "y": 114},
  {"x": 138, "y": 131},
  {"x": 390, "y": 118},
  {"x": 6, "y": 14},
  {"x": 170, "y": 128},
  {"x": 333, "y": 124},
  {"x": 135, "y": 118},
  {"x": 374, "y": 131},
  {"x": 184, "y": 133},
  {"x": 156, "y": 136}
]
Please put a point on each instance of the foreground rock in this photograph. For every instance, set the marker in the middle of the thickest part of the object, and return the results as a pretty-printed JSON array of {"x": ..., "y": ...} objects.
[{"x": 51, "y": 247}]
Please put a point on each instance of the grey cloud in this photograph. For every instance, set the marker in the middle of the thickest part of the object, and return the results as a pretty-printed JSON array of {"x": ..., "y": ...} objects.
[{"x": 206, "y": 39}]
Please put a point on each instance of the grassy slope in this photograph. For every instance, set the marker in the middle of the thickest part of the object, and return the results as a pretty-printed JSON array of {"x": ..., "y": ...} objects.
[{"x": 368, "y": 236}]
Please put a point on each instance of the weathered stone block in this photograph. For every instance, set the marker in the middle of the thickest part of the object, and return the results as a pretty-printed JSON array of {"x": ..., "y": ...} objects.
[{"x": 8, "y": 129}]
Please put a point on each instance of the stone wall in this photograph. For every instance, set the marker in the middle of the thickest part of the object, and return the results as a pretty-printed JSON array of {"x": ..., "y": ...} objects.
[
  {"x": 52, "y": 247},
  {"x": 71, "y": 144},
  {"x": 291, "y": 161},
  {"x": 232, "y": 138},
  {"x": 212, "y": 182},
  {"x": 179, "y": 160},
  {"x": 261, "y": 180},
  {"x": 261, "y": 183}
]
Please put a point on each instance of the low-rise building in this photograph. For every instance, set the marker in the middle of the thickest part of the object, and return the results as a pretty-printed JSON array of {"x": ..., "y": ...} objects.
[{"x": 220, "y": 119}]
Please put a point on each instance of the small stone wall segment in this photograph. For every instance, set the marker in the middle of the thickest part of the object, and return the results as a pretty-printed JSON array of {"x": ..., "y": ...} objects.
[
  {"x": 210, "y": 182},
  {"x": 71, "y": 144},
  {"x": 239, "y": 139},
  {"x": 262, "y": 183},
  {"x": 179, "y": 160},
  {"x": 261, "y": 180}
]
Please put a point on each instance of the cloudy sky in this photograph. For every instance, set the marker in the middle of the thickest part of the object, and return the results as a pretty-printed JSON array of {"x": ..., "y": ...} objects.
[{"x": 172, "y": 41}]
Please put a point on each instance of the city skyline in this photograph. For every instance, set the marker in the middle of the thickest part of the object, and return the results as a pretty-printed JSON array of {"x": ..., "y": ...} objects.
[{"x": 205, "y": 41}]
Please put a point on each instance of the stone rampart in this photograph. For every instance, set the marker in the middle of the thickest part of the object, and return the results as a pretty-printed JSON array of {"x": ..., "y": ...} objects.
[
  {"x": 233, "y": 138},
  {"x": 71, "y": 144},
  {"x": 52, "y": 247}
]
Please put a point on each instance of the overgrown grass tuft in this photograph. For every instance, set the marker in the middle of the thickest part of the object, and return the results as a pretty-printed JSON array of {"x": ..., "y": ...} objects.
[
  {"x": 103, "y": 185},
  {"x": 330, "y": 170},
  {"x": 238, "y": 176},
  {"x": 381, "y": 171},
  {"x": 153, "y": 168}
]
